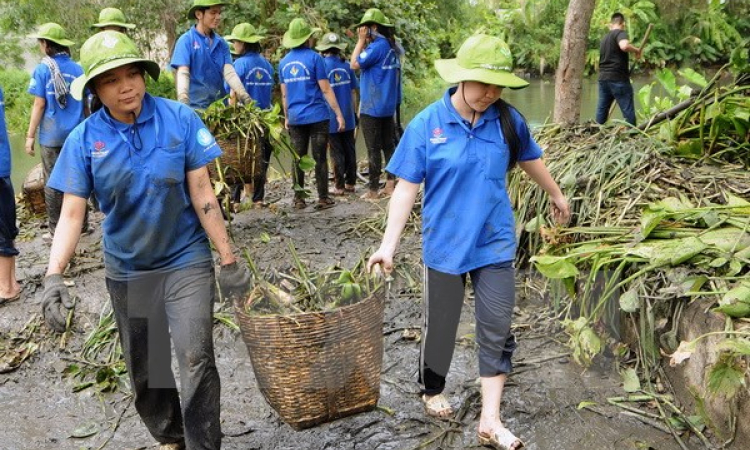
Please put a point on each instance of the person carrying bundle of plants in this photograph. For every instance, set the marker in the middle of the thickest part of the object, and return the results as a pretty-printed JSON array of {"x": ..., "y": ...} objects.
[
  {"x": 202, "y": 60},
  {"x": 256, "y": 74},
  {"x": 462, "y": 147},
  {"x": 377, "y": 56},
  {"x": 345, "y": 85},
  {"x": 304, "y": 91},
  {"x": 55, "y": 112},
  {"x": 145, "y": 158}
]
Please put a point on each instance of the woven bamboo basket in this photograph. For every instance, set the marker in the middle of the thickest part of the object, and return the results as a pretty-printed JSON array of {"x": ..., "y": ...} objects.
[
  {"x": 317, "y": 367},
  {"x": 237, "y": 159},
  {"x": 33, "y": 190}
]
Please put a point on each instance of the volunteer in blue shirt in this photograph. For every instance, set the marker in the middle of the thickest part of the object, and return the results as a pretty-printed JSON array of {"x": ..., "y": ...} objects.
[
  {"x": 304, "y": 92},
  {"x": 145, "y": 159},
  {"x": 380, "y": 70},
  {"x": 461, "y": 147},
  {"x": 202, "y": 60},
  {"x": 10, "y": 290},
  {"x": 55, "y": 113},
  {"x": 256, "y": 74},
  {"x": 344, "y": 83}
]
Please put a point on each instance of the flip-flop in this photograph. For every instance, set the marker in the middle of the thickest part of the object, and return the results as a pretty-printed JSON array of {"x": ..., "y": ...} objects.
[
  {"x": 501, "y": 439},
  {"x": 10, "y": 299},
  {"x": 325, "y": 203},
  {"x": 300, "y": 203},
  {"x": 437, "y": 406}
]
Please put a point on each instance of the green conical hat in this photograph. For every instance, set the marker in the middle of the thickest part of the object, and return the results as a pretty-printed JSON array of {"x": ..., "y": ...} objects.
[
  {"x": 330, "y": 40},
  {"x": 199, "y": 4},
  {"x": 245, "y": 32},
  {"x": 298, "y": 33},
  {"x": 53, "y": 32},
  {"x": 374, "y": 15},
  {"x": 482, "y": 58},
  {"x": 112, "y": 17}
]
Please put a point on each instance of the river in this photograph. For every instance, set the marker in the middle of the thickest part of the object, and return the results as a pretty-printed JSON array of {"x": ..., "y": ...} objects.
[{"x": 535, "y": 102}]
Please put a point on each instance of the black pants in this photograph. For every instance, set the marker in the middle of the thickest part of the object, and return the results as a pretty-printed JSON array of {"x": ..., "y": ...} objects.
[
  {"x": 343, "y": 153},
  {"x": 313, "y": 135},
  {"x": 379, "y": 135},
  {"x": 494, "y": 299},
  {"x": 8, "y": 228}
]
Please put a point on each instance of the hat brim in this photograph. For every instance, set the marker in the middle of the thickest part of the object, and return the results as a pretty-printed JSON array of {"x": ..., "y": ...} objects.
[
  {"x": 254, "y": 39},
  {"x": 191, "y": 11},
  {"x": 450, "y": 71},
  {"x": 290, "y": 42},
  {"x": 78, "y": 86},
  {"x": 324, "y": 47},
  {"x": 63, "y": 42},
  {"x": 370, "y": 22},
  {"x": 128, "y": 26}
]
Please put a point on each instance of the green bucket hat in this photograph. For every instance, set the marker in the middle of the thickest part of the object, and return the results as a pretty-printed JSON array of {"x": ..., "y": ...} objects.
[
  {"x": 105, "y": 51},
  {"x": 330, "y": 40},
  {"x": 374, "y": 15},
  {"x": 53, "y": 32},
  {"x": 482, "y": 58},
  {"x": 199, "y": 4},
  {"x": 112, "y": 17},
  {"x": 298, "y": 33},
  {"x": 245, "y": 32}
]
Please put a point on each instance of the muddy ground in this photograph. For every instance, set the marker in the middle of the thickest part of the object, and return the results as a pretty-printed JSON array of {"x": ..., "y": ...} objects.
[{"x": 41, "y": 411}]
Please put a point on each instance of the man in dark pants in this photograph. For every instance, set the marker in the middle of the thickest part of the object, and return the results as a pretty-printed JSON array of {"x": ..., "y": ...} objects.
[{"x": 614, "y": 73}]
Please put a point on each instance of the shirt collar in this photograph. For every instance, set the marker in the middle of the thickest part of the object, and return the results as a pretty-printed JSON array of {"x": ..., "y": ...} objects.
[
  {"x": 454, "y": 117},
  {"x": 147, "y": 112}
]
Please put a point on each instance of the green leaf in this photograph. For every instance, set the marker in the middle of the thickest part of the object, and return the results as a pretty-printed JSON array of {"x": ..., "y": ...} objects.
[
  {"x": 629, "y": 301},
  {"x": 554, "y": 267},
  {"x": 630, "y": 381},
  {"x": 585, "y": 404},
  {"x": 265, "y": 238},
  {"x": 667, "y": 79},
  {"x": 533, "y": 225},
  {"x": 736, "y": 346},
  {"x": 691, "y": 76},
  {"x": 85, "y": 430},
  {"x": 736, "y": 302},
  {"x": 726, "y": 378},
  {"x": 306, "y": 163}
]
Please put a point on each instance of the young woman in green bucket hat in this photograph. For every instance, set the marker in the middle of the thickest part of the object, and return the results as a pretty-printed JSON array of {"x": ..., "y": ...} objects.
[
  {"x": 377, "y": 56},
  {"x": 113, "y": 19},
  {"x": 145, "y": 158},
  {"x": 345, "y": 86},
  {"x": 55, "y": 112},
  {"x": 304, "y": 92},
  {"x": 462, "y": 147},
  {"x": 202, "y": 60},
  {"x": 256, "y": 74}
]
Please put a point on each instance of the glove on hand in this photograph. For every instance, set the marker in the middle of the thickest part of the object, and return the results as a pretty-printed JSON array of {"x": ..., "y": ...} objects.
[
  {"x": 234, "y": 281},
  {"x": 56, "y": 302}
]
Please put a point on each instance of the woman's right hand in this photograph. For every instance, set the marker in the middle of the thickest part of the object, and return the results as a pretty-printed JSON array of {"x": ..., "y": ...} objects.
[
  {"x": 381, "y": 258},
  {"x": 30, "y": 146},
  {"x": 363, "y": 32}
]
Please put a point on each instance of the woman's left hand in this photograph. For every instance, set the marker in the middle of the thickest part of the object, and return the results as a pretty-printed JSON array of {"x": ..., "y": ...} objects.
[{"x": 560, "y": 209}]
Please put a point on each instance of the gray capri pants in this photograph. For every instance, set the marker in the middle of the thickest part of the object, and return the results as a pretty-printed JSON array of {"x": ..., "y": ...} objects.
[{"x": 494, "y": 289}]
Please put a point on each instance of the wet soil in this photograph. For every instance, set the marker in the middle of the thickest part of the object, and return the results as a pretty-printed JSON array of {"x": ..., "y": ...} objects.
[{"x": 41, "y": 411}]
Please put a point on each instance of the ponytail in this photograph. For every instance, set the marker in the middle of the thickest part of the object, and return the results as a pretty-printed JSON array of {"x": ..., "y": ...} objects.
[{"x": 507, "y": 124}]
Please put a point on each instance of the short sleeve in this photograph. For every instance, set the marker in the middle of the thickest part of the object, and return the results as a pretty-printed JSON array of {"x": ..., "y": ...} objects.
[
  {"x": 200, "y": 145},
  {"x": 38, "y": 81},
  {"x": 355, "y": 80},
  {"x": 530, "y": 149},
  {"x": 319, "y": 65},
  {"x": 370, "y": 56},
  {"x": 409, "y": 159},
  {"x": 72, "y": 171},
  {"x": 181, "y": 55}
]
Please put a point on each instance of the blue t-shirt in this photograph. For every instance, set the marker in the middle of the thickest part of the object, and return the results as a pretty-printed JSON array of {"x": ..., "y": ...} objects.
[
  {"x": 138, "y": 173},
  {"x": 467, "y": 220},
  {"x": 379, "y": 79},
  {"x": 4, "y": 142},
  {"x": 343, "y": 82},
  {"x": 56, "y": 122},
  {"x": 300, "y": 70},
  {"x": 206, "y": 59},
  {"x": 256, "y": 74}
]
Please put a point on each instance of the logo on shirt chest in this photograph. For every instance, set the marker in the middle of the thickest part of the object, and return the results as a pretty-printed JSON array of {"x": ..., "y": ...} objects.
[
  {"x": 438, "y": 137},
  {"x": 196, "y": 45},
  {"x": 100, "y": 150}
]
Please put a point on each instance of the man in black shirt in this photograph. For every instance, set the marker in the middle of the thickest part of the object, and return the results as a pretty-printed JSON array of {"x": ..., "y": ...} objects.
[{"x": 614, "y": 73}]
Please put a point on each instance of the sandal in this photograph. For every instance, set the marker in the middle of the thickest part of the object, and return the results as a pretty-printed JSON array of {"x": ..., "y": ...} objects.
[
  {"x": 337, "y": 191},
  {"x": 348, "y": 188},
  {"x": 10, "y": 299},
  {"x": 325, "y": 203},
  {"x": 437, "y": 406},
  {"x": 501, "y": 439},
  {"x": 299, "y": 203},
  {"x": 260, "y": 204}
]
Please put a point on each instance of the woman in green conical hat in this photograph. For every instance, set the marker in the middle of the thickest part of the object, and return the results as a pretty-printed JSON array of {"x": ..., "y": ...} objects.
[
  {"x": 462, "y": 147},
  {"x": 145, "y": 159}
]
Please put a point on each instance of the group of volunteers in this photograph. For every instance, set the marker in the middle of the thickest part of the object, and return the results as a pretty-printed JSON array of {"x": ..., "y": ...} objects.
[{"x": 144, "y": 159}]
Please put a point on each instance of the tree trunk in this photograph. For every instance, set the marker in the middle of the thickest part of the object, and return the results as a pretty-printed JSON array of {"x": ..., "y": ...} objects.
[{"x": 572, "y": 60}]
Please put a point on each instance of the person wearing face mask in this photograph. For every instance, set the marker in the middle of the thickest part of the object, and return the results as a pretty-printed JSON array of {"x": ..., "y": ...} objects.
[
  {"x": 202, "y": 59},
  {"x": 145, "y": 158},
  {"x": 462, "y": 147}
]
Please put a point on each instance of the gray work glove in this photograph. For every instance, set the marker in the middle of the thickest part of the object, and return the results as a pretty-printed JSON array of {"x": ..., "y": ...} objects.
[
  {"x": 56, "y": 302},
  {"x": 234, "y": 281}
]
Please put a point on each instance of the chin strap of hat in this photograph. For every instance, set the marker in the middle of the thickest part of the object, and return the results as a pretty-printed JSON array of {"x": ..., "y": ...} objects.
[{"x": 473, "y": 111}]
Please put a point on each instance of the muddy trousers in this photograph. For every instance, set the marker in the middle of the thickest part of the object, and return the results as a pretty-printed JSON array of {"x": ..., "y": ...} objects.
[
  {"x": 53, "y": 198},
  {"x": 343, "y": 154},
  {"x": 314, "y": 135},
  {"x": 379, "y": 135},
  {"x": 494, "y": 299},
  {"x": 147, "y": 310}
]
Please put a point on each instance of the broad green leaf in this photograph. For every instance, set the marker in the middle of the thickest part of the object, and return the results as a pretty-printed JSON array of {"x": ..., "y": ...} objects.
[
  {"x": 691, "y": 76},
  {"x": 736, "y": 302},
  {"x": 726, "y": 239},
  {"x": 726, "y": 378},
  {"x": 85, "y": 430},
  {"x": 668, "y": 251},
  {"x": 739, "y": 202},
  {"x": 306, "y": 163},
  {"x": 629, "y": 301},
  {"x": 555, "y": 267},
  {"x": 630, "y": 381},
  {"x": 668, "y": 81},
  {"x": 718, "y": 262},
  {"x": 736, "y": 346}
]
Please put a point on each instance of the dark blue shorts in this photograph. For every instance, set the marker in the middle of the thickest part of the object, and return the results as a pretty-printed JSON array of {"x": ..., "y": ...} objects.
[{"x": 8, "y": 228}]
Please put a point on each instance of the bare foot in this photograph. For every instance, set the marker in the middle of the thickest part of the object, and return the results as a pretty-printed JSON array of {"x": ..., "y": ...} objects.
[
  {"x": 370, "y": 195},
  {"x": 437, "y": 406},
  {"x": 494, "y": 433}
]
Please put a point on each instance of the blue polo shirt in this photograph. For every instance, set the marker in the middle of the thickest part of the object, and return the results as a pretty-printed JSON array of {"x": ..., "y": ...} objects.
[
  {"x": 300, "y": 70},
  {"x": 206, "y": 59},
  {"x": 56, "y": 122},
  {"x": 256, "y": 74},
  {"x": 343, "y": 82},
  {"x": 379, "y": 79},
  {"x": 138, "y": 173},
  {"x": 467, "y": 220},
  {"x": 4, "y": 142}
]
